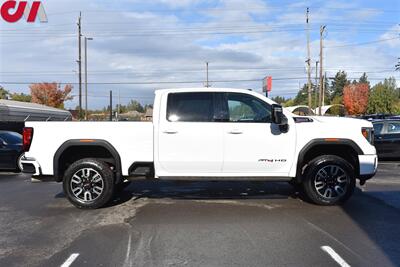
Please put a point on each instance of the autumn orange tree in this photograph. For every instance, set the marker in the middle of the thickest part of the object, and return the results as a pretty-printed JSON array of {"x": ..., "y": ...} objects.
[
  {"x": 50, "y": 94},
  {"x": 355, "y": 98}
]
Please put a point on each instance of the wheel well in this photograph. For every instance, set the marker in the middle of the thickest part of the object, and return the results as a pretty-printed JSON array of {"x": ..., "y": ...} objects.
[
  {"x": 72, "y": 153},
  {"x": 344, "y": 151}
]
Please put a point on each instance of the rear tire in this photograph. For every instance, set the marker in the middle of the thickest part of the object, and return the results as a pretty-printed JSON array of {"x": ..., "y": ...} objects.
[
  {"x": 89, "y": 183},
  {"x": 19, "y": 164},
  {"x": 329, "y": 180}
]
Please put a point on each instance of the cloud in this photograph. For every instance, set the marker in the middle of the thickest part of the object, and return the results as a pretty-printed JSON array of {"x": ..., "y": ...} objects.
[{"x": 167, "y": 40}]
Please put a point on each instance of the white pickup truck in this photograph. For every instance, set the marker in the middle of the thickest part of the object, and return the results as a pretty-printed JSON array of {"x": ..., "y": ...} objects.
[{"x": 204, "y": 134}]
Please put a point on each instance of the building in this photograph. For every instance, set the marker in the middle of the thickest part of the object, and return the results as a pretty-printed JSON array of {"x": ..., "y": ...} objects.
[{"x": 22, "y": 111}]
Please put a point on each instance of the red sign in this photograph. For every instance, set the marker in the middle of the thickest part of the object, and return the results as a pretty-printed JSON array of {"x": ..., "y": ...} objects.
[
  {"x": 267, "y": 84},
  {"x": 12, "y": 11}
]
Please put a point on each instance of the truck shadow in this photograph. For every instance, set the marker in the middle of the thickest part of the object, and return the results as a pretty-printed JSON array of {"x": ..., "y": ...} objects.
[
  {"x": 206, "y": 190},
  {"x": 378, "y": 220}
]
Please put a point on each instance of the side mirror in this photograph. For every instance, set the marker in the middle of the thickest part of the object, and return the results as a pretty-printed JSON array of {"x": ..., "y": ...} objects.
[
  {"x": 2, "y": 143},
  {"x": 279, "y": 119},
  {"x": 277, "y": 114}
]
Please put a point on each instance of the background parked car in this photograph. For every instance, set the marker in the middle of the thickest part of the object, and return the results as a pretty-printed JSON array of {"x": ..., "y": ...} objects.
[
  {"x": 10, "y": 150},
  {"x": 387, "y": 138}
]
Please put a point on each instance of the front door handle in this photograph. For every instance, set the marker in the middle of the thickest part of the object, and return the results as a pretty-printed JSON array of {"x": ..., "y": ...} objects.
[
  {"x": 235, "y": 132},
  {"x": 170, "y": 131}
]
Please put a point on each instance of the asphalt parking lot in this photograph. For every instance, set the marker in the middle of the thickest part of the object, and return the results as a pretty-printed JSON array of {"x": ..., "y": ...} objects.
[{"x": 200, "y": 224}]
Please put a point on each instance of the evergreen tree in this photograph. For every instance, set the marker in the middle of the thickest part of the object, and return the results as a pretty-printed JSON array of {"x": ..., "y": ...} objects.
[
  {"x": 279, "y": 99},
  {"x": 337, "y": 85},
  {"x": 364, "y": 79}
]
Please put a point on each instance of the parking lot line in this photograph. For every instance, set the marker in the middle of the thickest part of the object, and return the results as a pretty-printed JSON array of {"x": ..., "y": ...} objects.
[
  {"x": 70, "y": 260},
  {"x": 335, "y": 256}
]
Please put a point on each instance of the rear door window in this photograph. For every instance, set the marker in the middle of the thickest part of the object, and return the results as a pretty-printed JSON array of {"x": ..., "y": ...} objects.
[{"x": 190, "y": 107}]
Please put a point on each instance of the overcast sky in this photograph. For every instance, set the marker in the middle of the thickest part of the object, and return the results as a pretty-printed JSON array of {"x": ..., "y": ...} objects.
[{"x": 139, "y": 46}]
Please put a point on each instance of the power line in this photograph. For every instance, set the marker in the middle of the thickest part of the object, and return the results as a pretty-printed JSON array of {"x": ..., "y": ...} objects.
[
  {"x": 174, "y": 82},
  {"x": 363, "y": 43},
  {"x": 222, "y": 9},
  {"x": 185, "y": 31},
  {"x": 226, "y": 68}
]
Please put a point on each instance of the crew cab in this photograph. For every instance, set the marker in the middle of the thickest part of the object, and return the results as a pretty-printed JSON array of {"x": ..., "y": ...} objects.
[{"x": 204, "y": 134}]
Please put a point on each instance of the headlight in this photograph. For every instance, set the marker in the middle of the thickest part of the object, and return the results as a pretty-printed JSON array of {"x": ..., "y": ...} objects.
[{"x": 368, "y": 133}]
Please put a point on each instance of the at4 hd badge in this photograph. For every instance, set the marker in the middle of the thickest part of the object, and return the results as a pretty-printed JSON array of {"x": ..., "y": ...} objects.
[{"x": 12, "y": 11}]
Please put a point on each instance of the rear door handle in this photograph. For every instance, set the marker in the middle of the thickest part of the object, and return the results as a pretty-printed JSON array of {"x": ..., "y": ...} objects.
[
  {"x": 170, "y": 131},
  {"x": 235, "y": 132}
]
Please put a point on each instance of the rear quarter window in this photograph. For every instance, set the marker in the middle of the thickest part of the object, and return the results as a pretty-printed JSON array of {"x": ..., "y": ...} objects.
[{"x": 393, "y": 127}]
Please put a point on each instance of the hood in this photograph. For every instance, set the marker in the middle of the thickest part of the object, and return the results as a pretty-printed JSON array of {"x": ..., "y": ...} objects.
[{"x": 342, "y": 121}]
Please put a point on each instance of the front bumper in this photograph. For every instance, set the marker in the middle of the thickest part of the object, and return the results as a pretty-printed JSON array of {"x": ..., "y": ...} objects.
[
  {"x": 368, "y": 166},
  {"x": 31, "y": 166}
]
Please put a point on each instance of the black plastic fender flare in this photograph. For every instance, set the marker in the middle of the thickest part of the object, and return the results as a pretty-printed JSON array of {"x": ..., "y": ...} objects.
[
  {"x": 87, "y": 142},
  {"x": 324, "y": 141}
]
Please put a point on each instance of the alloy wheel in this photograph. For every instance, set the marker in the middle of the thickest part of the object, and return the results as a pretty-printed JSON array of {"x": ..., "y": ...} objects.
[
  {"x": 87, "y": 184},
  {"x": 331, "y": 182}
]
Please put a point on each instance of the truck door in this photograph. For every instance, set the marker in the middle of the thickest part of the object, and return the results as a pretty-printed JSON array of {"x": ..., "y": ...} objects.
[
  {"x": 253, "y": 145},
  {"x": 189, "y": 140}
]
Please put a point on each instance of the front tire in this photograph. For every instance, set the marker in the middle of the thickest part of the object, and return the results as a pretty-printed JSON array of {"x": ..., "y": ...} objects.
[
  {"x": 89, "y": 183},
  {"x": 329, "y": 180}
]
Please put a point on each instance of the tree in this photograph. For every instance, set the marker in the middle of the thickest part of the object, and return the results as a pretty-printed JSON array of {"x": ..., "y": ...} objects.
[
  {"x": 289, "y": 103},
  {"x": 355, "y": 98},
  {"x": 134, "y": 105},
  {"x": 302, "y": 96},
  {"x": 279, "y": 99},
  {"x": 364, "y": 79},
  {"x": 338, "y": 83},
  {"x": 50, "y": 94},
  {"x": 3, "y": 93},
  {"x": 383, "y": 97},
  {"x": 21, "y": 97}
]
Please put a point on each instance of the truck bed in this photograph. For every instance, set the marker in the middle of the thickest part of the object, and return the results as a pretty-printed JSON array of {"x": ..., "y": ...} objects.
[{"x": 133, "y": 140}]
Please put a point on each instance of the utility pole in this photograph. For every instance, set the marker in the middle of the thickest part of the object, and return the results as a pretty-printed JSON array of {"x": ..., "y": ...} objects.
[
  {"x": 111, "y": 108},
  {"x": 316, "y": 84},
  {"x": 323, "y": 89},
  {"x": 86, "y": 78},
  {"x": 80, "y": 64},
  {"x": 308, "y": 61},
  {"x": 207, "y": 85},
  {"x": 119, "y": 103},
  {"x": 321, "y": 81}
]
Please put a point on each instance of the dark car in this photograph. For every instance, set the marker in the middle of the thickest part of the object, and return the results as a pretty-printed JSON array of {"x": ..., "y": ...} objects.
[
  {"x": 372, "y": 117},
  {"x": 387, "y": 138},
  {"x": 10, "y": 150}
]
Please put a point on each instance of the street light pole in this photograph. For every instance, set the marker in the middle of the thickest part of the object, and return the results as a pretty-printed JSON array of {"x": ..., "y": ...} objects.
[{"x": 86, "y": 79}]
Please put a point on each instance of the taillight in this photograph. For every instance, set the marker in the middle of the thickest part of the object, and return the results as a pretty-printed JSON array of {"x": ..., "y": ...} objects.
[
  {"x": 27, "y": 135},
  {"x": 368, "y": 133}
]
